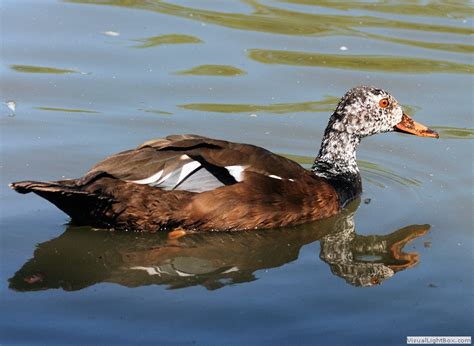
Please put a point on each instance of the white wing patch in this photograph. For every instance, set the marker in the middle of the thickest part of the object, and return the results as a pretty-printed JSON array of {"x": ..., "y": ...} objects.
[
  {"x": 182, "y": 274},
  {"x": 279, "y": 178},
  {"x": 161, "y": 180},
  {"x": 275, "y": 177},
  {"x": 177, "y": 175},
  {"x": 153, "y": 270},
  {"x": 149, "y": 180},
  {"x": 187, "y": 169},
  {"x": 184, "y": 173},
  {"x": 230, "y": 270},
  {"x": 236, "y": 172}
]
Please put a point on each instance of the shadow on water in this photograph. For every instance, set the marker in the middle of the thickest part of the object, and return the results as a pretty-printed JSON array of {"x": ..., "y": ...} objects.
[{"x": 81, "y": 257}]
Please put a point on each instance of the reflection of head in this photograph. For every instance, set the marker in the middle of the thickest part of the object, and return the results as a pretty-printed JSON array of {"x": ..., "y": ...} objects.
[
  {"x": 367, "y": 260},
  {"x": 336, "y": 250}
]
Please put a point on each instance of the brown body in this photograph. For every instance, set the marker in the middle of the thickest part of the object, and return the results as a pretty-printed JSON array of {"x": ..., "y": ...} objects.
[{"x": 107, "y": 197}]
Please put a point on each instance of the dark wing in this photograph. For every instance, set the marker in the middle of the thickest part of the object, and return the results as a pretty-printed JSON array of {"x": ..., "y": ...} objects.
[{"x": 195, "y": 163}]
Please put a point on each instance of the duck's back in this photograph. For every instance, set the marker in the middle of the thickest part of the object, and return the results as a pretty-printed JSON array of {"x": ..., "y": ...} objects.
[{"x": 195, "y": 163}]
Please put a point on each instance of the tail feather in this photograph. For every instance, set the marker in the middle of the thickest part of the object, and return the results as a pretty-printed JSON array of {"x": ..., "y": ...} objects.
[
  {"x": 69, "y": 196},
  {"x": 98, "y": 199},
  {"x": 35, "y": 186}
]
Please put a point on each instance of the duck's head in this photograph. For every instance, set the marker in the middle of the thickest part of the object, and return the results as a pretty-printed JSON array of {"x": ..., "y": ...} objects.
[{"x": 364, "y": 111}]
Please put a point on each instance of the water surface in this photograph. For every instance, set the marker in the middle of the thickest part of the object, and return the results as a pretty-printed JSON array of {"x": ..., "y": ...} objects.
[{"x": 91, "y": 77}]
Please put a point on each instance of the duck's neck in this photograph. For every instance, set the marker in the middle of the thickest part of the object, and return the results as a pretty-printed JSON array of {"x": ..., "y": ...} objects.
[{"x": 336, "y": 162}]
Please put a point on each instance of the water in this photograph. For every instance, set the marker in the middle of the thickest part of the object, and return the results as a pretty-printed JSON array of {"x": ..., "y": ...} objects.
[{"x": 89, "y": 78}]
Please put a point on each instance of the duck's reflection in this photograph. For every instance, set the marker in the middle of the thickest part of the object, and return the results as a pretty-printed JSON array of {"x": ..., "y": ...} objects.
[{"x": 81, "y": 257}]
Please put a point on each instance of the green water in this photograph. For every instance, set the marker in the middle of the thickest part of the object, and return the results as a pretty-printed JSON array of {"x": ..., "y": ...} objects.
[{"x": 91, "y": 78}]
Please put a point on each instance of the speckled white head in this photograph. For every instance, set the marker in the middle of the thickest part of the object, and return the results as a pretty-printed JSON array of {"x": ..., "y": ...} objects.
[{"x": 365, "y": 111}]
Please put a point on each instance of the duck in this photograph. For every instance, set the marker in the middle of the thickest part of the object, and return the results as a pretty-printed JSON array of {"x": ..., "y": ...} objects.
[{"x": 191, "y": 183}]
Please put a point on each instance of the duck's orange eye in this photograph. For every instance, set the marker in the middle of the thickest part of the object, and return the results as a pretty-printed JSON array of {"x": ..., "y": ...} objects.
[{"x": 383, "y": 103}]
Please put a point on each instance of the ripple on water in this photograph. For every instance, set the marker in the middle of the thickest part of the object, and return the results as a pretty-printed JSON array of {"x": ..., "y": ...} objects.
[
  {"x": 277, "y": 20},
  {"x": 448, "y": 132},
  {"x": 156, "y": 111},
  {"x": 325, "y": 105},
  {"x": 374, "y": 173},
  {"x": 154, "y": 41},
  {"x": 431, "y": 9},
  {"x": 40, "y": 69},
  {"x": 213, "y": 70},
  {"x": 67, "y": 110},
  {"x": 283, "y": 21},
  {"x": 375, "y": 63}
]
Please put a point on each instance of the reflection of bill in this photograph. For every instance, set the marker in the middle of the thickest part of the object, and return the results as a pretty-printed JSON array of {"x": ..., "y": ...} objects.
[
  {"x": 80, "y": 257},
  {"x": 368, "y": 260}
]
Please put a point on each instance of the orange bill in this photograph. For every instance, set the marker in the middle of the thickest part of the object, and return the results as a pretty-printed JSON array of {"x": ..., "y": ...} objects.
[{"x": 411, "y": 126}]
